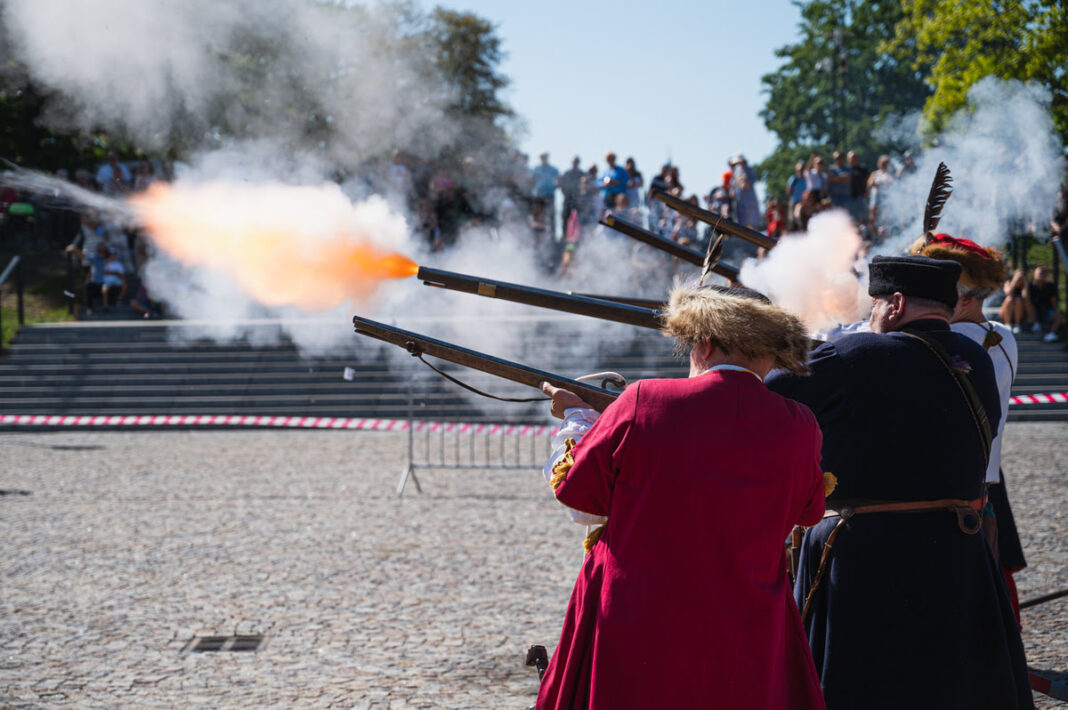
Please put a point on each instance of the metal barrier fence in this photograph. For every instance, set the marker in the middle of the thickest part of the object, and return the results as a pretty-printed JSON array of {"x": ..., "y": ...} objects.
[{"x": 461, "y": 445}]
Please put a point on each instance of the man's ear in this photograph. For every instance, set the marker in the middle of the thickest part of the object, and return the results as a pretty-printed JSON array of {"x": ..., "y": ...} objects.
[{"x": 897, "y": 305}]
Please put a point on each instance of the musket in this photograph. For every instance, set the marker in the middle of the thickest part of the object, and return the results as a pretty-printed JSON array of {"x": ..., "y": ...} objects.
[
  {"x": 627, "y": 300},
  {"x": 720, "y": 224},
  {"x": 667, "y": 245},
  {"x": 556, "y": 300},
  {"x": 418, "y": 345}
]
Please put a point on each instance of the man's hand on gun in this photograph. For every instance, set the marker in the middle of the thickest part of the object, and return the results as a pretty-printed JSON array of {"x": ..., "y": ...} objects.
[{"x": 562, "y": 400}]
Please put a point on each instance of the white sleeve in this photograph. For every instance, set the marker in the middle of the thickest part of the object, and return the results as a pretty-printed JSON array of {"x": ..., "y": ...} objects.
[{"x": 577, "y": 421}]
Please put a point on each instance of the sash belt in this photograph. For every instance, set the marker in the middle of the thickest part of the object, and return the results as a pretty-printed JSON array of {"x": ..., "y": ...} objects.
[{"x": 969, "y": 519}]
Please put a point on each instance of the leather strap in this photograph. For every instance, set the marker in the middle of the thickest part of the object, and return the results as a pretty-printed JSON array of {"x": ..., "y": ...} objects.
[
  {"x": 971, "y": 397},
  {"x": 966, "y": 511}
]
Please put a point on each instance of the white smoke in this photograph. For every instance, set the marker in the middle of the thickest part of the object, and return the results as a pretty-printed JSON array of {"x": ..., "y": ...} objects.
[
  {"x": 1006, "y": 162},
  {"x": 813, "y": 274}
]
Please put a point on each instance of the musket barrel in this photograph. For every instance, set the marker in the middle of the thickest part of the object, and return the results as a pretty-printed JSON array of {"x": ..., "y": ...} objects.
[
  {"x": 667, "y": 245},
  {"x": 596, "y": 397},
  {"x": 720, "y": 224},
  {"x": 555, "y": 300},
  {"x": 651, "y": 303}
]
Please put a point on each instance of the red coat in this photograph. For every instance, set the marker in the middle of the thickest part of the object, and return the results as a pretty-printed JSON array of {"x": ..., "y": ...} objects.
[{"x": 684, "y": 601}]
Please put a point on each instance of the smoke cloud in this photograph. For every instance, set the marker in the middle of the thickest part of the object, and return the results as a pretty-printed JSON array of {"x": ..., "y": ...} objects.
[
  {"x": 1006, "y": 162},
  {"x": 813, "y": 274}
]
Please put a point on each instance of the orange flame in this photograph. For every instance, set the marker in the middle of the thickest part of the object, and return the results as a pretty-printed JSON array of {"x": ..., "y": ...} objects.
[{"x": 286, "y": 245}]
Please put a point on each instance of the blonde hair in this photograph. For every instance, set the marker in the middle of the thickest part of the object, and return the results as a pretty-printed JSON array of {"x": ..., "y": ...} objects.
[{"x": 737, "y": 324}]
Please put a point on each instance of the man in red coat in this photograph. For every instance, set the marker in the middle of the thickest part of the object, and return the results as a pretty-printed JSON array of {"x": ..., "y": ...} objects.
[{"x": 684, "y": 601}]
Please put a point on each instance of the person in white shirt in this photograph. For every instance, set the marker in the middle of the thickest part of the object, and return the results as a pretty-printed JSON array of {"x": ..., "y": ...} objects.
[{"x": 983, "y": 272}]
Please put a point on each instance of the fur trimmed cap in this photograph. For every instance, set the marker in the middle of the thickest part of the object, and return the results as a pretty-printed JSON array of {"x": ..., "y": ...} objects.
[
  {"x": 982, "y": 268},
  {"x": 916, "y": 276},
  {"x": 737, "y": 323}
]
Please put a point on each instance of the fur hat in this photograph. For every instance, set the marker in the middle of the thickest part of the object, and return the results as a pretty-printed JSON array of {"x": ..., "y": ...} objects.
[
  {"x": 737, "y": 323},
  {"x": 982, "y": 268}
]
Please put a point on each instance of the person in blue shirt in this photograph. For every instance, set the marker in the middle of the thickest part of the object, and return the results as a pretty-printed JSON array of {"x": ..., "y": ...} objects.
[
  {"x": 795, "y": 190},
  {"x": 97, "y": 264},
  {"x": 613, "y": 181}
]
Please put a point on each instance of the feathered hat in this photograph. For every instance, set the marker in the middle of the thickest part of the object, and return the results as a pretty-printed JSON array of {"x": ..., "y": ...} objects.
[{"x": 983, "y": 268}]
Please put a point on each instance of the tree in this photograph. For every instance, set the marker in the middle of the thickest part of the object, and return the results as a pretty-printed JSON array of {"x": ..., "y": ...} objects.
[
  {"x": 837, "y": 85},
  {"x": 963, "y": 41}
]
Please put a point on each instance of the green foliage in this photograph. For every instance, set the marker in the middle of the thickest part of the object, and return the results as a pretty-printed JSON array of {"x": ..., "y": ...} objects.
[
  {"x": 467, "y": 53},
  {"x": 837, "y": 85},
  {"x": 963, "y": 41}
]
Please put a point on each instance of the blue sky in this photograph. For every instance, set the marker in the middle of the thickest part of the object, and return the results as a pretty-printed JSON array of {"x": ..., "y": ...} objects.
[{"x": 644, "y": 79}]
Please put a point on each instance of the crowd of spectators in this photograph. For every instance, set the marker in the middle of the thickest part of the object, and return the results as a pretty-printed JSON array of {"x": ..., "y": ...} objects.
[
  {"x": 110, "y": 254},
  {"x": 557, "y": 211}
]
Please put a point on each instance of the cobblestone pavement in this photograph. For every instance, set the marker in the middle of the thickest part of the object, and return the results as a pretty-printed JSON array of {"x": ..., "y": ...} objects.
[{"x": 121, "y": 547}]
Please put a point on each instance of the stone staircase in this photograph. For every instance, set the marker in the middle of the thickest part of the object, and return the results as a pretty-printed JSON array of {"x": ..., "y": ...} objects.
[
  {"x": 110, "y": 367},
  {"x": 114, "y": 367}
]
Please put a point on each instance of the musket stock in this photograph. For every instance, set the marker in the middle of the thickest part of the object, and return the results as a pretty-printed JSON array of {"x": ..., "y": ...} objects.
[
  {"x": 555, "y": 300},
  {"x": 666, "y": 245},
  {"x": 720, "y": 224},
  {"x": 417, "y": 344}
]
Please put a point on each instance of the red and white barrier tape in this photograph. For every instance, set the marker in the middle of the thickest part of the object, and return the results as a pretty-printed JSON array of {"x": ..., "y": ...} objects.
[
  {"x": 148, "y": 420},
  {"x": 1053, "y": 688},
  {"x": 340, "y": 422},
  {"x": 1051, "y": 398}
]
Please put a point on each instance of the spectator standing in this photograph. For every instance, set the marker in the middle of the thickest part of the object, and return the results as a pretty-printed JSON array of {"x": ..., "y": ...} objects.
[
  {"x": 613, "y": 181},
  {"x": 878, "y": 183},
  {"x": 795, "y": 190},
  {"x": 719, "y": 202},
  {"x": 545, "y": 177},
  {"x": 775, "y": 219},
  {"x": 398, "y": 175},
  {"x": 816, "y": 176},
  {"x": 858, "y": 188},
  {"x": 593, "y": 203},
  {"x": 146, "y": 175},
  {"x": 114, "y": 279},
  {"x": 96, "y": 262},
  {"x": 1043, "y": 295},
  {"x": 839, "y": 181},
  {"x": 908, "y": 165},
  {"x": 635, "y": 183},
  {"x": 743, "y": 191},
  {"x": 113, "y": 177},
  {"x": 570, "y": 186}
]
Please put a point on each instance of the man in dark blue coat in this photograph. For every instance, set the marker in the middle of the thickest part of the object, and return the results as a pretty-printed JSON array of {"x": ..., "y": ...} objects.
[{"x": 907, "y": 608}]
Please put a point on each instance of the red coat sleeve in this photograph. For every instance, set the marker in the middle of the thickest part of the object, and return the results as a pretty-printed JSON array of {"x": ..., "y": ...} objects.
[
  {"x": 816, "y": 502},
  {"x": 588, "y": 485}
]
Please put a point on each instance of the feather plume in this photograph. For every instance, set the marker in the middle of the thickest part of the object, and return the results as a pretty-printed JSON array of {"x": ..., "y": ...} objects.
[
  {"x": 941, "y": 189},
  {"x": 712, "y": 256}
]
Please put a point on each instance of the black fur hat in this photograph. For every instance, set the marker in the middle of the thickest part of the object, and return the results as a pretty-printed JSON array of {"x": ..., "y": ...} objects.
[{"x": 916, "y": 276}]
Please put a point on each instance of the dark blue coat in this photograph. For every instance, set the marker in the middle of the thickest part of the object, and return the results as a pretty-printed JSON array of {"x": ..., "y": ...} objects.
[{"x": 912, "y": 612}]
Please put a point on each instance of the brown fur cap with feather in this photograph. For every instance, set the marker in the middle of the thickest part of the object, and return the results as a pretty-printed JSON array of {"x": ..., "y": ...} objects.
[
  {"x": 736, "y": 324},
  {"x": 982, "y": 268}
]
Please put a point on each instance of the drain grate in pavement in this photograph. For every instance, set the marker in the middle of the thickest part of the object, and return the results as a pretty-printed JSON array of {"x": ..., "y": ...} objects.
[
  {"x": 5, "y": 492},
  {"x": 217, "y": 644}
]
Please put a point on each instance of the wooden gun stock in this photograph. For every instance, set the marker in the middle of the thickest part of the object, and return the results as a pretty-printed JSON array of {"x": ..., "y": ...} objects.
[{"x": 417, "y": 344}]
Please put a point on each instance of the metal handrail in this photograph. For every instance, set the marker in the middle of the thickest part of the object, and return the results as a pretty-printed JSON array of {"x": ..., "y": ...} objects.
[{"x": 11, "y": 265}]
